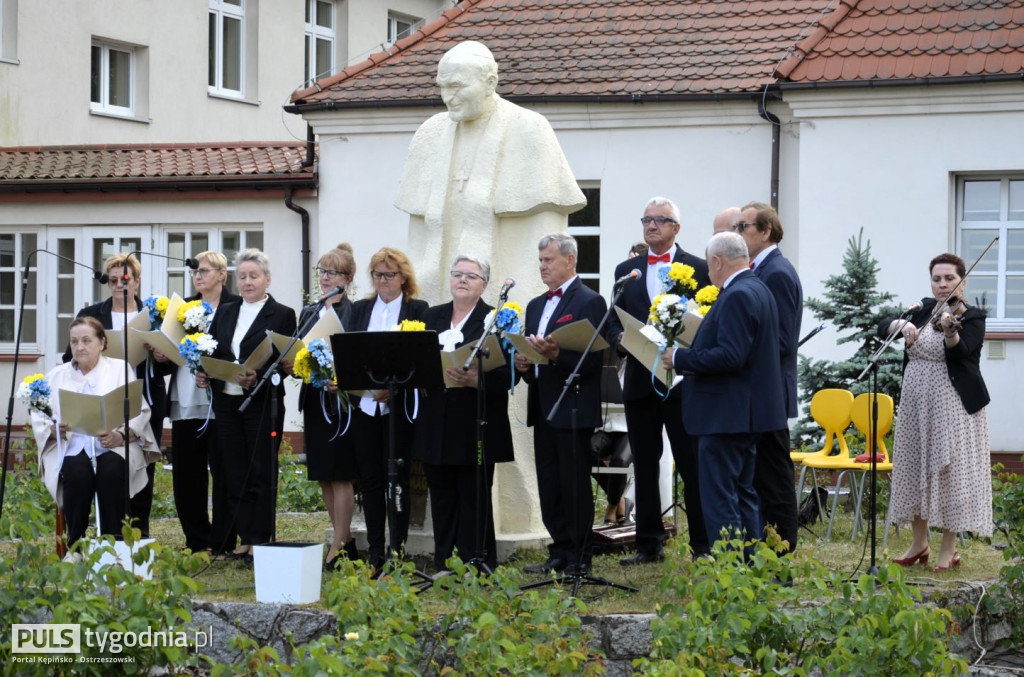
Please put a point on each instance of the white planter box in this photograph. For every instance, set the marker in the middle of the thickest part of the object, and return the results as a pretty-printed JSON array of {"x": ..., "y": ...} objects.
[{"x": 288, "y": 573}]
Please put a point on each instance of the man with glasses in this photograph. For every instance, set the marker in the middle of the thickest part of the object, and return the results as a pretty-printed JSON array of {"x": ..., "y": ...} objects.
[
  {"x": 725, "y": 220},
  {"x": 647, "y": 413},
  {"x": 761, "y": 229}
]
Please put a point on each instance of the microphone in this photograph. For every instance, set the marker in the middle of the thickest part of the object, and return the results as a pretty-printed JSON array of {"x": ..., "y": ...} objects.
[
  {"x": 97, "y": 275},
  {"x": 191, "y": 264},
  {"x": 916, "y": 305},
  {"x": 334, "y": 292},
  {"x": 632, "y": 275},
  {"x": 509, "y": 283}
]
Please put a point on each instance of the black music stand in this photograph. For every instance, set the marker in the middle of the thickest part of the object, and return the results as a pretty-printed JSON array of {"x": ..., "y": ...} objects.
[{"x": 392, "y": 360}]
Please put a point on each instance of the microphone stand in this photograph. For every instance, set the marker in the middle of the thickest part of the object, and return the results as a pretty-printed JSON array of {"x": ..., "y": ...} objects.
[
  {"x": 99, "y": 277},
  {"x": 577, "y": 572},
  {"x": 483, "y": 498}
]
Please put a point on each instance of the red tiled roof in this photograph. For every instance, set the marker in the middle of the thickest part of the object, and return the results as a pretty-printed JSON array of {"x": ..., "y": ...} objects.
[
  {"x": 568, "y": 48},
  {"x": 612, "y": 49},
  {"x": 252, "y": 163},
  {"x": 902, "y": 39}
]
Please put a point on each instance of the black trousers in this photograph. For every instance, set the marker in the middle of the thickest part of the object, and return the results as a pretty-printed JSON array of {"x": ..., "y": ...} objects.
[
  {"x": 563, "y": 478},
  {"x": 775, "y": 484},
  {"x": 246, "y": 456},
  {"x": 644, "y": 419},
  {"x": 371, "y": 447},
  {"x": 81, "y": 484},
  {"x": 612, "y": 448},
  {"x": 190, "y": 473},
  {"x": 454, "y": 494}
]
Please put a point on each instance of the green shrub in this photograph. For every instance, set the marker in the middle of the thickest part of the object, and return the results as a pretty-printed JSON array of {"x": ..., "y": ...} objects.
[
  {"x": 295, "y": 493},
  {"x": 1008, "y": 515}
]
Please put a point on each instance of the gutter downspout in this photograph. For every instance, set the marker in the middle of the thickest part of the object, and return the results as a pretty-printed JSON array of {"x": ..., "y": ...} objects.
[
  {"x": 762, "y": 110},
  {"x": 304, "y": 215}
]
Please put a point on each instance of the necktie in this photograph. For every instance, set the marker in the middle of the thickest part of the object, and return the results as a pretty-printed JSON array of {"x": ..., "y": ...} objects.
[
  {"x": 663, "y": 258},
  {"x": 751, "y": 265},
  {"x": 555, "y": 292}
]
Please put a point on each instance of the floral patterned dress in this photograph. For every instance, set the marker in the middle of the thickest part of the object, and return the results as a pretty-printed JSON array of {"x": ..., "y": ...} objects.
[{"x": 941, "y": 456}]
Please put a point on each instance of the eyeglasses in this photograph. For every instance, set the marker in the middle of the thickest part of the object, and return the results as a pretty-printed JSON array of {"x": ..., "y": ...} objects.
[
  {"x": 117, "y": 280},
  {"x": 459, "y": 275},
  {"x": 741, "y": 226},
  {"x": 381, "y": 275},
  {"x": 201, "y": 272},
  {"x": 660, "y": 220},
  {"x": 326, "y": 272}
]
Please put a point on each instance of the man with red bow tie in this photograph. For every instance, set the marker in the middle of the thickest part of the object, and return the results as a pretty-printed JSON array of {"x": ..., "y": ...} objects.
[
  {"x": 562, "y": 451},
  {"x": 646, "y": 412}
]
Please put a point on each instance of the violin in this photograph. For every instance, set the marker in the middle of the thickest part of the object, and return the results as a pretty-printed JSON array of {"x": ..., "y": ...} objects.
[{"x": 955, "y": 306}]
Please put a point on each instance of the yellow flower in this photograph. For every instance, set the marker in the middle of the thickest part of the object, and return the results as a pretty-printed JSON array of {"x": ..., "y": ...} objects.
[
  {"x": 161, "y": 304},
  {"x": 411, "y": 325},
  {"x": 182, "y": 309},
  {"x": 192, "y": 337},
  {"x": 513, "y": 306},
  {"x": 703, "y": 310},
  {"x": 33, "y": 378},
  {"x": 707, "y": 295},
  {"x": 351, "y": 636},
  {"x": 302, "y": 368},
  {"x": 683, "y": 275}
]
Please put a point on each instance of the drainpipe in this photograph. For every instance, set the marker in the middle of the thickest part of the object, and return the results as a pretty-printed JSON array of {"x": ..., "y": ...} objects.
[
  {"x": 776, "y": 139},
  {"x": 304, "y": 215}
]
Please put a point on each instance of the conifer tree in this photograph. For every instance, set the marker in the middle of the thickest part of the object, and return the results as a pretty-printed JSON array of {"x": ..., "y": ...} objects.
[{"x": 854, "y": 306}]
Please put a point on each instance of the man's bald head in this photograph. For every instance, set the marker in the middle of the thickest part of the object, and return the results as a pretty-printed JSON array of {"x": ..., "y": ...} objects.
[{"x": 726, "y": 219}]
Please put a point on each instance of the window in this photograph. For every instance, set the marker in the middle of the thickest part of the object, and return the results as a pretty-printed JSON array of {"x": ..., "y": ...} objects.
[
  {"x": 183, "y": 244},
  {"x": 113, "y": 79},
  {"x": 9, "y": 31},
  {"x": 400, "y": 26},
  {"x": 990, "y": 206},
  {"x": 14, "y": 250},
  {"x": 319, "y": 38},
  {"x": 585, "y": 226},
  {"x": 226, "y": 69}
]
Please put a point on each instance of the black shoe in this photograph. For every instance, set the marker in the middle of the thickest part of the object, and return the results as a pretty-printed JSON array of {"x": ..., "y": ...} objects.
[
  {"x": 643, "y": 558},
  {"x": 351, "y": 551},
  {"x": 553, "y": 564}
]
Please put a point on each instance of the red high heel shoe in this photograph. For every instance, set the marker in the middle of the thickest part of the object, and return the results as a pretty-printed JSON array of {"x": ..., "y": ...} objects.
[
  {"x": 953, "y": 564},
  {"x": 921, "y": 557}
]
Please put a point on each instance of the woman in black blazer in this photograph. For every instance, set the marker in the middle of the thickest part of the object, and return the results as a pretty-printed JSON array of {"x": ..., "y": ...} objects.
[
  {"x": 111, "y": 314},
  {"x": 330, "y": 455},
  {"x": 188, "y": 410},
  {"x": 446, "y": 429},
  {"x": 392, "y": 301},
  {"x": 941, "y": 456},
  {"x": 246, "y": 453}
]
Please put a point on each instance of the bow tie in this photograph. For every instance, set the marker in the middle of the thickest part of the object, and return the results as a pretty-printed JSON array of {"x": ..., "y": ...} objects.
[
  {"x": 555, "y": 292},
  {"x": 652, "y": 259}
]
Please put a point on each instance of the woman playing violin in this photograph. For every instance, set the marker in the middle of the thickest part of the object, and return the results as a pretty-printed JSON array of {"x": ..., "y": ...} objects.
[{"x": 941, "y": 465}]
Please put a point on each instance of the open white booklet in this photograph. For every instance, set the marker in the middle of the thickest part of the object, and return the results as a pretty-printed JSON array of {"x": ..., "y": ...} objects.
[
  {"x": 222, "y": 370},
  {"x": 457, "y": 358},
  {"x": 644, "y": 342},
  {"x": 167, "y": 338},
  {"x": 324, "y": 327},
  {"x": 136, "y": 344},
  {"x": 93, "y": 414},
  {"x": 574, "y": 336}
]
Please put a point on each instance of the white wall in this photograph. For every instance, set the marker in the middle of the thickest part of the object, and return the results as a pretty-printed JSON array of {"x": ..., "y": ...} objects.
[{"x": 886, "y": 161}]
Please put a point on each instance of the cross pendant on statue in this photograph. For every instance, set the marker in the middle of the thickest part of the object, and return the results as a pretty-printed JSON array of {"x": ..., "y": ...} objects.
[{"x": 460, "y": 180}]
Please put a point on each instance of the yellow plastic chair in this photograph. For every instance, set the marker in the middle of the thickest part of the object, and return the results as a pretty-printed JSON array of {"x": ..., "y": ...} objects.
[
  {"x": 860, "y": 415},
  {"x": 830, "y": 408}
]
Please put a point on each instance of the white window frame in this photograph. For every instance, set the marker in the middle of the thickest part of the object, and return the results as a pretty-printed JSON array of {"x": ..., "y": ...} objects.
[
  {"x": 215, "y": 242},
  {"x": 41, "y": 268},
  {"x": 997, "y": 320},
  {"x": 589, "y": 230},
  {"x": 104, "y": 105},
  {"x": 9, "y": 31},
  {"x": 313, "y": 32},
  {"x": 394, "y": 19},
  {"x": 220, "y": 9}
]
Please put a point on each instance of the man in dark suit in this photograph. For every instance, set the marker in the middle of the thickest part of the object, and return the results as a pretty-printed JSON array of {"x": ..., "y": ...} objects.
[
  {"x": 562, "y": 452},
  {"x": 646, "y": 411},
  {"x": 735, "y": 387},
  {"x": 773, "y": 478}
]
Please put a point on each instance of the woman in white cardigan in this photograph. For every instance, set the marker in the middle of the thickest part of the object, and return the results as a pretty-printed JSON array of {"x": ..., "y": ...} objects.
[{"x": 66, "y": 459}]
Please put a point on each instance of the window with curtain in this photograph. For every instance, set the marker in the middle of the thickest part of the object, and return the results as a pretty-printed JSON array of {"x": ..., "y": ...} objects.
[
  {"x": 319, "y": 38},
  {"x": 226, "y": 69},
  {"x": 990, "y": 206},
  {"x": 113, "y": 78}
]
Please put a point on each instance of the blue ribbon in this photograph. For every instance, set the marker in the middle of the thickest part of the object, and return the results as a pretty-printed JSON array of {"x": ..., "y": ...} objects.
[{"x": 654, "y": 380}]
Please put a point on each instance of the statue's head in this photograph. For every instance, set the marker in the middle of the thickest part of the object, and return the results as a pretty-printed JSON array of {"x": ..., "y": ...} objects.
[{"x": 467, "y": 75}]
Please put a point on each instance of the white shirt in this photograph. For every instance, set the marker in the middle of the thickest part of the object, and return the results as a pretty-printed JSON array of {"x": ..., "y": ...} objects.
[
  {"x": 729, "y": 280},
  {"x": 246, "y": 316},
  {"x": 383, "y": 317},
  {"x": 117, "y": 319},
  {"x": 549, "y": 307},
  {"x": 763, "y": 255},
  {"x": 653, "y": 283}
]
